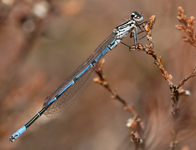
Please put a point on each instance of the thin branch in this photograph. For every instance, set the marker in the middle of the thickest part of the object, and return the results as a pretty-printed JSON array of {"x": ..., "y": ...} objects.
[
  {"x": 134, "y": 124},
  {"x": 175, "y": 89},
  {"x": 102, "y": 81}
]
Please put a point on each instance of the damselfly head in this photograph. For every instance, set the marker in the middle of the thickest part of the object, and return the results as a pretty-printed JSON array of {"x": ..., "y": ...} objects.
[{"x": 136, "y": 16}]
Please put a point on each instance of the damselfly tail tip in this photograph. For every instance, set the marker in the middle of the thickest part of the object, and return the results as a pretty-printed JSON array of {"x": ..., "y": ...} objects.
[
  {"x": 17, "y": 133},
  {"x": 12, "y": 139}
]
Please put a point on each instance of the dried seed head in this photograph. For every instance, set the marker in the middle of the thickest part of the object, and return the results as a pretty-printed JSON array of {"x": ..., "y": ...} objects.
[
  {"x": 180, "y": 18},
  {"x": 187, "y": 27},
  {"x": 130, "y": 122},
  {"x": 152, "y": 20},
  {"x": 149, "y": 25},
  {"x": 97, "y": 80},
  {"x": 191, "y": 21},
  {"x": 140, "y": 46},
  {"x": 98, "y": 67},
  {"x": 180, "y": 27},
  {"x": 169, "y": 77},
  {"x": 188, "y": 31},
  {"x": 184, "y": 92},
  {"x": 141, "y": 141},
  {"x": 149, "y": 38},
  {"x": 102, "y": 61},
  {"x": 180, "y": 10},
  {"x": 186, "y": 39},
  {"x": 40, "y": 9},
  {"x": 132, "y": 48}
]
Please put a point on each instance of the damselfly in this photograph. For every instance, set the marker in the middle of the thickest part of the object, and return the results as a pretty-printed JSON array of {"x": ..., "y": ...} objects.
[{"x": 71, "y": 88}]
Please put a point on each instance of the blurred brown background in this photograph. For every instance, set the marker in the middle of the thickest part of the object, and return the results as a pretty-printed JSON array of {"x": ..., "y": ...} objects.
[{"x": 44, "y": 41}]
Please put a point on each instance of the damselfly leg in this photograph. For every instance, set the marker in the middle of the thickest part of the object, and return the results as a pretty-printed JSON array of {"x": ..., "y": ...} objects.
[{"x": 134, "y": 34}]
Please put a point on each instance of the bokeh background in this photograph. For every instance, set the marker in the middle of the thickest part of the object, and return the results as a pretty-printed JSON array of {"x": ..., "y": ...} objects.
[{"x": 43, "y": 41}]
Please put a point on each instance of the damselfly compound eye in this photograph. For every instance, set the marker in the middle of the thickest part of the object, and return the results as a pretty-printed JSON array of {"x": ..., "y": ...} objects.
[{"x": 136, "y": 16}]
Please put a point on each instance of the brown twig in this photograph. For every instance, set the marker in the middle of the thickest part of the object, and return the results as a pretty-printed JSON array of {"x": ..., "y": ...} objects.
[
  {"x": 135, "y": 124},
  {"x": 102, "y": 81},
  {"x": 173, "y": 145},
  {"x": 175, "y": 89},
  {"x": 136, "y": 127},
  {"x": 192, "y": 74},
  {"x": 136, "y": 140}
]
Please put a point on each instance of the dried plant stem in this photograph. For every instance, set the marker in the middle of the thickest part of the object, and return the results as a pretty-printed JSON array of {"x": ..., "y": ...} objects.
[
  {"x": 135, "y": 140},
  {"x": 102, "y": 81},
  {"x": 135, "y": 124},
  {"x": 173, "y": 145},
  {"x": 175, "y": 88},
  {"x": 182, "y": 82}
]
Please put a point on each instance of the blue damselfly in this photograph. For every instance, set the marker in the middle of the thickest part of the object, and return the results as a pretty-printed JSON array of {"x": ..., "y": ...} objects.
[{"x": 71, "y": 88}]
